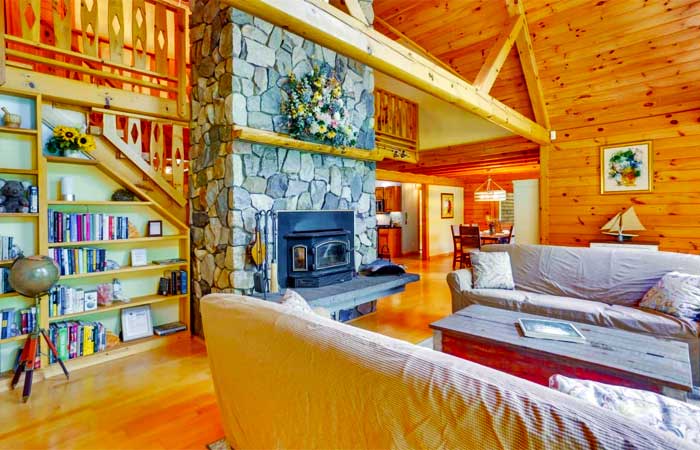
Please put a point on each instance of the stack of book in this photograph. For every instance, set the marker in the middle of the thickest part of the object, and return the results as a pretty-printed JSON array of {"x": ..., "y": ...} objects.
[
  {"x": 175, "y": 283},
  {"x": 8, "y": 250},
  {"x": 5, "y": 280},
  {"x": 76, "y": 338},
  {"x": 15, "y": 323},
  {"x": 69, "y": 300},
  {"x": 80, "y": 260},
  {"x": 77, "y": 227}
]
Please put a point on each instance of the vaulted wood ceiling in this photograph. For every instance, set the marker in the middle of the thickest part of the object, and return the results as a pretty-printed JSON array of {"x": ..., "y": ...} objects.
[{"x": 599, "y": 61}]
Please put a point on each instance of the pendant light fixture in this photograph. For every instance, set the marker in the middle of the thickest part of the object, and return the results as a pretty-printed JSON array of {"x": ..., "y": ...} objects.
[{"x": 489, "y": 191}]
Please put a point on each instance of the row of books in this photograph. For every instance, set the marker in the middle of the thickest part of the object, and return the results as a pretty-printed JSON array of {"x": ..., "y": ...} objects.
[
  {"x": 80, "y": 260},
  {"x": 68, "y": 300},
  {"x": 174, "y": 283},
  {"x": 81, "y": 227},
  {"x": 77, "y": 338},
  {"x": 17, "y": 322},
  {"x": 8, "y": 249},
  {"x": 5, "y": 280}
]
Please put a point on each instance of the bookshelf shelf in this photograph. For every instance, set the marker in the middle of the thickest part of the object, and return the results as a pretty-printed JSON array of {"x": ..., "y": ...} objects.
[
  {"x": 19, "y": 214},
  {"x": 118, "y": 351},
  {"x": 19, "y": 171},
  {"x": 76, "y": 161},
  {"x": 98, "y": 174},
  {"x": 21, "y": 337},
  {"x": 174, "y": 237},
  {"x": 124, "y": 270},
  {"x": 136, "y": 301},
  {"x": 98, "y": 203},
  {"x": 10, "y": 130}
]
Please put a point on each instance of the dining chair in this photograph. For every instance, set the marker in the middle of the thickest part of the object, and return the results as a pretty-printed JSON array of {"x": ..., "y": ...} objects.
[
  {"x": 457, "y": 252},
  {"x": 509, "y": 230},
  {"x": 469, "y": 240}
]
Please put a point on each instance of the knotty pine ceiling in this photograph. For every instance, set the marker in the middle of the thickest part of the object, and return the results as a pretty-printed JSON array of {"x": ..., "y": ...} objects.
[{"x": 599, "y": 61}]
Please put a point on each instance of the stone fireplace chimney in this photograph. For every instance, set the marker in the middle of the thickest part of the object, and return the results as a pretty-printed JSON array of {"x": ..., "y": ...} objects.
[{"x": 239, "y": 66}]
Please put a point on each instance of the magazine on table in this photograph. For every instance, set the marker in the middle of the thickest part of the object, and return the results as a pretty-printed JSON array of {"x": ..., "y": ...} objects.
[{"x": 550, "y": 329}]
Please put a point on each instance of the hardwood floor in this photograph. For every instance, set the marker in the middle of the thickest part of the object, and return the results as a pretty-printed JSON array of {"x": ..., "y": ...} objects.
[
  {"x": 164, "y": 399},
  {"x": 407, "y": 315}
]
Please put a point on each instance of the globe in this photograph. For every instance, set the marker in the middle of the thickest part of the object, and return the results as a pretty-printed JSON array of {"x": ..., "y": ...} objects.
[{"x": 34, "y": 275}]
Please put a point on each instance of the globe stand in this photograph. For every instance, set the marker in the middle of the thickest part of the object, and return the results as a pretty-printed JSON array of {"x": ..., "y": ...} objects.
[{"x": 27, "y": 360}]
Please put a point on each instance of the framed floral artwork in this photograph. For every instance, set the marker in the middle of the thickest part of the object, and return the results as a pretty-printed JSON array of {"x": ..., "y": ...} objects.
[
  {"x": 626, "y": 168},
  {"x": 447, "y": 206}
]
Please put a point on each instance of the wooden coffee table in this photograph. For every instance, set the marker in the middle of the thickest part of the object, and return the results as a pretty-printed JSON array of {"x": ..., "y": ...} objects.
[{"x": 492, "y": 337}]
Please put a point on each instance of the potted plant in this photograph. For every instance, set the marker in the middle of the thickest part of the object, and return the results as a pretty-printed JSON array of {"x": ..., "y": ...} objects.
[{"x": 70, "y": 142}]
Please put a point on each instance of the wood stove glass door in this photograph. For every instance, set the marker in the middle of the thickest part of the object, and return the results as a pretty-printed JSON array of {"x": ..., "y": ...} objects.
[
  {"x": 331, "y": 254},
  {"x": 299, "y": 258}
]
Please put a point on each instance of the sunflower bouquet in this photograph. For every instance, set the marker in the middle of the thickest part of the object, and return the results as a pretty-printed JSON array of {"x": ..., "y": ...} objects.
[
  {"x": 68, "y": 139},
  {"x": 316, "y": 110}
]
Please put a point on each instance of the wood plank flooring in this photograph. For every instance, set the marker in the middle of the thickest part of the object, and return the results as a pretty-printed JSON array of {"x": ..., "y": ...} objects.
[{"x": 164, "y": 399}]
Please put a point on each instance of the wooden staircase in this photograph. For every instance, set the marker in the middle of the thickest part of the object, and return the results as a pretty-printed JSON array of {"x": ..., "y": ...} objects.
[{"x": 147, "y": 155}]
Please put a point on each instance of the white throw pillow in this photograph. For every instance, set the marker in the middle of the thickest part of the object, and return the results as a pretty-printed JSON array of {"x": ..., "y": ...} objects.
[
  {"x": 647, "y": 408},
  {"x": 677, "y": 294},
  {"x": 293, "y": 300},
  {"x": 492, "y": 270}
]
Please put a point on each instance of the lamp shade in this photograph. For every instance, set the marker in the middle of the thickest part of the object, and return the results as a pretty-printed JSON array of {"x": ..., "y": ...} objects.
[{"x": 489, "y": 191}]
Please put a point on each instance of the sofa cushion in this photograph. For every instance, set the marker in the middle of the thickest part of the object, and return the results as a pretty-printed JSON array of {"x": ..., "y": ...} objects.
[
  {"x": 612, "y": 276},
  {"x": 491, "y": 270},
  {"x": 649, "y": 409},
  {"x": 584, "y": 311},
  {"x": 677, "y": 294}
]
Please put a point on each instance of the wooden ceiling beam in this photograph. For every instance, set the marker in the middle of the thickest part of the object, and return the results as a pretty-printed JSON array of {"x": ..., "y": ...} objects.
[
  {"x": 497, "y": 55},
  {"x": 355, "y": 10},
  {"x": 529, "y": 64},
  {"x": 330, "y": 27},
  {"x": 408, "y": 42},
  {"x": 405, "y": 177}
]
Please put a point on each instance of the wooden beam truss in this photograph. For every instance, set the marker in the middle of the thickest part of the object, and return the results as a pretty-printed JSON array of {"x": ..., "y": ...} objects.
[
  {"x": 345, "y": 34},
  {"x": 498, "y": 54},
  {"x": 529, "y": 64}
]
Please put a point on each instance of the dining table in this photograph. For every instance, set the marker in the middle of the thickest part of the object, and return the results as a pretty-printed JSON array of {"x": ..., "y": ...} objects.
[{"x": 494, "y": 238}]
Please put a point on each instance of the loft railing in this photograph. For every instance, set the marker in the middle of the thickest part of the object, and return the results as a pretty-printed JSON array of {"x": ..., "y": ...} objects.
[
  {"x": 396, "y": 122},
  {"x": 135, "y": 45}
]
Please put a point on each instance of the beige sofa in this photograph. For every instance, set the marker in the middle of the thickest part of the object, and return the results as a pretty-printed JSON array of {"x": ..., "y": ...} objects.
[
  {"x": 598, "y": 286},
  {"x": 288, "y": 379}
]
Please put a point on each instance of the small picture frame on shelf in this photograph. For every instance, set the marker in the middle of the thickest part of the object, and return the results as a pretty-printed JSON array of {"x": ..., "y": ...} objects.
[
  {"x": 90, "y": 300},
  {"x": 139, "y": 257},
  {"x": 155, "y": 228},
  {"x": 136, "y": 323}
]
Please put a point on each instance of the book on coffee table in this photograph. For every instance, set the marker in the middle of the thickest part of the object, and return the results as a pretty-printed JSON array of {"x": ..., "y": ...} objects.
[{"x": 550, "y": 329}]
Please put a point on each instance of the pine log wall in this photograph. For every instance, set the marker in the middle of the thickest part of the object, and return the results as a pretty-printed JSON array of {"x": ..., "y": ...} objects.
[{"x": 671, "y": 213}]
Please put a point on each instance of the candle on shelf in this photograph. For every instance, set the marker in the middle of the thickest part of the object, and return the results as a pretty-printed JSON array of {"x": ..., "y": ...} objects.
[{"x": 67, "y": 192}]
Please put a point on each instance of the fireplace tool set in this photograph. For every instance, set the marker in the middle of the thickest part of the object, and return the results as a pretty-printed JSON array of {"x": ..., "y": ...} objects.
[{"x": 265, "y": 277}]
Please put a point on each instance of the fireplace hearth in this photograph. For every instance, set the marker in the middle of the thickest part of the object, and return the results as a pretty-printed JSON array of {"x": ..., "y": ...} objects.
[{"x": 315, "y": 248}]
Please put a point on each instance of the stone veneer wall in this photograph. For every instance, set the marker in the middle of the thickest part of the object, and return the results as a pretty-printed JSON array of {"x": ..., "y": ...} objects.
[{"x": 239, "y": 64}]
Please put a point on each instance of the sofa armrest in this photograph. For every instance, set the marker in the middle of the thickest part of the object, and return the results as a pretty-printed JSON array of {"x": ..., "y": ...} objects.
[{"x": 459, "y": 281}]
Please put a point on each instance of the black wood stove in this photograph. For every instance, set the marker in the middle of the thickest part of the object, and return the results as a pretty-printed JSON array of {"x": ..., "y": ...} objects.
[{"x": 315, "y": 248}]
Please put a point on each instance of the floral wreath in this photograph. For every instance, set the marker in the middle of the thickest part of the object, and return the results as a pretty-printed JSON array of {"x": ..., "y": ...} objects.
[{"x": 315, "y": 108}]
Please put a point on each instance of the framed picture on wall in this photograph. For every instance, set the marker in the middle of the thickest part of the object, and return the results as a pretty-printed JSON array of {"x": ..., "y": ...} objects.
[
  {"x": 626, "y": 168},
  {"x": 447, "y": 206}
]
